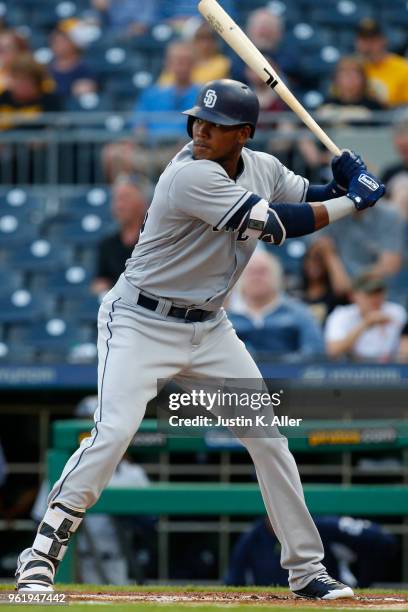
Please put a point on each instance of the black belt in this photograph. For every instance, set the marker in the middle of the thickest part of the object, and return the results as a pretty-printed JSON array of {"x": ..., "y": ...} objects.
[{"x": 188, "y": 314}]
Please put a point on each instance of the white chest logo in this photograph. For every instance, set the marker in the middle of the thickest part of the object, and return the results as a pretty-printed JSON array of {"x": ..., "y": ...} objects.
[{"x": 210, "y": 98}]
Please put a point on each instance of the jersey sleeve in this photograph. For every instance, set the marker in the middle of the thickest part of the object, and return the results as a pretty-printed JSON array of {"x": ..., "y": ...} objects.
[
  {"x": 202, "y": 189},
  {"x": 289, "y": 187}
]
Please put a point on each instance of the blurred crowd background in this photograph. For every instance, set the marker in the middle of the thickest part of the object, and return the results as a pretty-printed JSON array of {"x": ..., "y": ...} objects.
[{"x": 90, "y": 98}]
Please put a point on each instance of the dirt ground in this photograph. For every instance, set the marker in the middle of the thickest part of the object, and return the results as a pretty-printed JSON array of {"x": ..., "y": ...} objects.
[
  {"x": 385, "y": 601},
  {"x": 389, "y": 601}
]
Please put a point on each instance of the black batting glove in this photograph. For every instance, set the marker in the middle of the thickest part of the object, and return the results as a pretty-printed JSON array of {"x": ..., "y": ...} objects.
[
  {"x": 345, "y": 167},
  {"x": 365, "y": 190}
]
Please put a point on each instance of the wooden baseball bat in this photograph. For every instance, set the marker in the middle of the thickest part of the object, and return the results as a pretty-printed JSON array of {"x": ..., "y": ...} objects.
[{"x": 226, "y": 27}]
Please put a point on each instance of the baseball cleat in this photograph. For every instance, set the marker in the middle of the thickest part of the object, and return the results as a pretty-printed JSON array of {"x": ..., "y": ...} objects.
[
  {"x": 37, "y": 588},
  {"x": 34, "y": 574},
  {"x": 324, "y": 587}
]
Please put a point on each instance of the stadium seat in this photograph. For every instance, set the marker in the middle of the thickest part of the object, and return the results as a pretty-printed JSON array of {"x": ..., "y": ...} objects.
[
  {"x": 22, "y": 306},
  {"x": 72, "y": 281},
  {"x": 15, "y": 353},
  {"x": 336, "y": 18},
  {"x": 89, "y": 102},
  {"x": 83, "y": 307},
  {"x": 85, "y": 231},
  {"x": 39, "y": 256},
  {"x": 14, "y": 232},
  {"x": 95, "y": 200},
  {"x": 291, "y": 255},
  {"x": 54, "y": 335},
  {"x": 10, "y": 280},
  {"x": 17, "y": 202},
  {"x": 395, "y": 15}
]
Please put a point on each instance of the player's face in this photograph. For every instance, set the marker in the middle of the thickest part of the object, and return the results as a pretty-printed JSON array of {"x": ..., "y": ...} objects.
[{"x": 218, "y": 142}]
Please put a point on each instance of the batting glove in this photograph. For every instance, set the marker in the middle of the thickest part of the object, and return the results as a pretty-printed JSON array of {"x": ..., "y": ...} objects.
[
  {"x": 344, "y": 168},
  {"x": 365, "y": 189}
]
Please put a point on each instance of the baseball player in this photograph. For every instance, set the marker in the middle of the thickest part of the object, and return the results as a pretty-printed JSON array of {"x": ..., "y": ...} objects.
[{"x": 215, "y": 200}]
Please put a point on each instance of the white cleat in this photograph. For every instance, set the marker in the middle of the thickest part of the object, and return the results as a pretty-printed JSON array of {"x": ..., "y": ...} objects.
[{"x": 37, "y": 588}]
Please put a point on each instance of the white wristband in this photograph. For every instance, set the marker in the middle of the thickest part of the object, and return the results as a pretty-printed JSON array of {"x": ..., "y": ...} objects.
[{"x": 339, "y": 207}]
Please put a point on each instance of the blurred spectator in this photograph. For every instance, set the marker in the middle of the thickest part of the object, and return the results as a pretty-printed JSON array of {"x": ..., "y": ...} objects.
[
  {"x": 387, "y": 72},
  {"x": 325, "y": 282},
  {"x": 352, "y": 549},
  {"x": 369, "y": 329},
  {"x": 266, "y": 319},
  {"x": 25, "y": 98},
  {"x": 398, "y": 193},
  {"x": 368, "y": 242},
  {"x": 129, "y": 17},
  {"x": 401, "y": 146},
  {"x": 72, "y": 76},
  {"x": 269, "y": 101},
  {"x": 155, "y": 126},
  {"x": 209, "y": 62},
  {"x": 349, "y": 102},
  {"x": 349, "y": 96},
  {"x": 12, "y": 45},
  {"x": 129, "y": 209},
  {"x": 266, "y": 31}
]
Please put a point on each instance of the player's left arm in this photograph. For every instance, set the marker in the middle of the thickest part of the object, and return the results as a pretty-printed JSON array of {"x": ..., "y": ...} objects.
[
  {"x": 344, "y": 167},
  {"x": 274, "y": 222}
]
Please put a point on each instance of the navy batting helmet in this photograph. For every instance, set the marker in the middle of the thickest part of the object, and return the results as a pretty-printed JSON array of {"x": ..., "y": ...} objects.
[{"x": 226, "y": 102}]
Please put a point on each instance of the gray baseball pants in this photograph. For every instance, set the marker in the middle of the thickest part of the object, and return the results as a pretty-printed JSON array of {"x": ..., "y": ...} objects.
[{"x": 136, "y": 347}]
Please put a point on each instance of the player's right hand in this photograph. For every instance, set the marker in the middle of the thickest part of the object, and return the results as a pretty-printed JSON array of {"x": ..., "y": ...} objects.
[{"x": 365, "y": 190}]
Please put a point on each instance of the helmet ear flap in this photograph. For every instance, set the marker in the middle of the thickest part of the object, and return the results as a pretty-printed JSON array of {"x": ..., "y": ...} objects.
[{"x": 190, "y": 122}]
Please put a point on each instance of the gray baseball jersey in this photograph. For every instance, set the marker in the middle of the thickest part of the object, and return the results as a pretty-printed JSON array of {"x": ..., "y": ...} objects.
[{"x": 189, "y": 251}]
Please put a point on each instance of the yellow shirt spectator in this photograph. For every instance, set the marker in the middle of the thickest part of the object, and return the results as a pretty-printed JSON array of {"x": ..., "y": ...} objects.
[
  {"x": 216, "y": 67},
  {"x": 388, "y": 79}
]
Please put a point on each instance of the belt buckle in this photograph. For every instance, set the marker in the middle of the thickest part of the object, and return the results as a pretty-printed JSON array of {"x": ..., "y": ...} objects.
[{"x": 194, "y": 319}]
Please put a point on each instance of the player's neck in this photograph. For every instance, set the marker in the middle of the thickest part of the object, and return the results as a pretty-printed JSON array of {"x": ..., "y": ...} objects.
[{"x": 233, "y": 166}]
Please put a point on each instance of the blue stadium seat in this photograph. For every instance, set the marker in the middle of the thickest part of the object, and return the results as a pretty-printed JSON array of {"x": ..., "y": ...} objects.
[
  {"x": 85, "y": 231},
  {"x": 72, "y": 281},
  {"x": 20, "y": 203},
  {"x": 15, "y": 353},
  {"x": 318, "y": 66},
  {"x": 56, "y": 335},
  {"x": 329, "y": 16},
  {"x": 90, "y": 102},
  {"x": 84, "y": 308},
  {"x": 291, "y": 255},
  {"x": 10, "y": 280},
  {"x": 22, "y": 306},
  {"x": 95, "y": 200},
  {"x": 39, "y": 256},
  {"x": 395, "y": 15},
  {"x": 14, "y": 231}
]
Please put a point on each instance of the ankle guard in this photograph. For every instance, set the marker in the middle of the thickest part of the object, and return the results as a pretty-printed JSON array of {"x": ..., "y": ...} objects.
[{"x": 59, "y": 523}]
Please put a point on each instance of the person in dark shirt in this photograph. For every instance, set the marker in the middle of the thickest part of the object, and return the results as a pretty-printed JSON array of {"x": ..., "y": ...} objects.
[
  {"x": 353, "y": 548},
  {"x": 350, "y": 99},
  {"x": 326, "y": 283},
  {"x": 70, "y": 72},
  {"x": 129, "y": 209}
]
